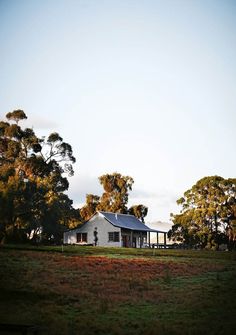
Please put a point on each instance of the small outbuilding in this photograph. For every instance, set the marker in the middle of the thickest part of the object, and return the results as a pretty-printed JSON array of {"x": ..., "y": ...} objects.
[{"x": 112, "y": 230}]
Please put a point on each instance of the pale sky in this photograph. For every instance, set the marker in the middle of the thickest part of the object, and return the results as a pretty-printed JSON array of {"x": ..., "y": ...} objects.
[{"x": 144, "y": 88}]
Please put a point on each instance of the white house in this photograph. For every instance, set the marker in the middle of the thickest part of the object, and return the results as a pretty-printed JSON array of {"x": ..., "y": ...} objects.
[{"x": 111, "y": 230}]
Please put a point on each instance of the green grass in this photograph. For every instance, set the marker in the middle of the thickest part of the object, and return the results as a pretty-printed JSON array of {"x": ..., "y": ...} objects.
[
  {"x": 119, "y": 252},
  {"x": 87, "y": 290}
]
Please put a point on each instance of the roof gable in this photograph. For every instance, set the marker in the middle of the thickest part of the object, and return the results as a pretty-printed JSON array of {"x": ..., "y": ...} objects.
[{"x": 125, "y": 221}]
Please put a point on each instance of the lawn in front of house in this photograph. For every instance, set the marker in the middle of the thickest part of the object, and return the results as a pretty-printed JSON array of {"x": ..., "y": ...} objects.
[{"x": 125, "y": 291}]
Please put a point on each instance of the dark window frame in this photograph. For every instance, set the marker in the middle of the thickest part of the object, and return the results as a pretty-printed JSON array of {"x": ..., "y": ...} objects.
[
  {"x": 82, "y": 237},
  {"x": 114, "y": 236}
]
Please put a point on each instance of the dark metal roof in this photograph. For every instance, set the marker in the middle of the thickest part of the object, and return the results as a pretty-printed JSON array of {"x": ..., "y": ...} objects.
[{"x": 126, "y": 221}]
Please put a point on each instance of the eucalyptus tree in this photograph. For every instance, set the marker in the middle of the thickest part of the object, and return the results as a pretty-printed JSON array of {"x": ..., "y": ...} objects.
[
  {"x": 140, "y": 211},
  {"x": 207, "y": 217},
  {"x": 116, "y": 192},
  {"x": 90, "y": 207},
  {"x": 17, "y": 115},
  {"x": 114, "y": 198},
  {"x": 33, "y": 174}
]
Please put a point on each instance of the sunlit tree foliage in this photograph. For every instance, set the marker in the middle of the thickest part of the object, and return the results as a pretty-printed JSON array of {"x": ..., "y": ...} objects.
[
  {"x": 32, "y": 182},
  {"x": 208, "y": 215},
  {"x": 114, "y": 198}
]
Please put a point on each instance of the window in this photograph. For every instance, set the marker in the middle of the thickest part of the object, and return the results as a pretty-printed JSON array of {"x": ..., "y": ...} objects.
[
  {"x": 114, "y": 236},
  {"x": 81, "y": 237}
]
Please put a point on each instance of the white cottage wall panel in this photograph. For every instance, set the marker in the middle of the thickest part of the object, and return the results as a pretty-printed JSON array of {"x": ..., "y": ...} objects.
[{"x": 103, "y": 227}]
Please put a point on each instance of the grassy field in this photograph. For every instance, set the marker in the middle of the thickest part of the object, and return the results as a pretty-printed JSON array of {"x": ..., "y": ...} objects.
[{"x": 87, "y": 290}]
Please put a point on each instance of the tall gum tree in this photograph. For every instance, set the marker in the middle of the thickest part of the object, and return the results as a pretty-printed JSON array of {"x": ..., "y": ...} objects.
[
  {"x": 114, "y": 198},
  {"x": 116, "y": 192},
  {"x": 207, "y": 217},
  {"x": 33, "y": 179}
]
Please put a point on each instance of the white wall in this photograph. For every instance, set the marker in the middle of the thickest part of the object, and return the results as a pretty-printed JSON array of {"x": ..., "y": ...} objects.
[{"x": 103, "y": 228}]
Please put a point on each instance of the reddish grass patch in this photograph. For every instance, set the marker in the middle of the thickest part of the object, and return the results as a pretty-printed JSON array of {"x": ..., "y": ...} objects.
[
  {"x": 89, "y": 279},
  {"x": 101, "y": 295}
]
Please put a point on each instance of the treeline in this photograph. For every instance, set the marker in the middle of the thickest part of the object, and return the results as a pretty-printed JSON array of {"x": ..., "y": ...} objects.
[
  {"x": 34, "y": 175},
  {"x": 208, "y": 215},
  {"x": 33, "y": 205},
  {"x": 33, "y": 181}
]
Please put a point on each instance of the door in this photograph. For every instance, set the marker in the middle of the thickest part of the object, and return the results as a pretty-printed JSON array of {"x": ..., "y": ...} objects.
[{"x": 124, "y": 241}]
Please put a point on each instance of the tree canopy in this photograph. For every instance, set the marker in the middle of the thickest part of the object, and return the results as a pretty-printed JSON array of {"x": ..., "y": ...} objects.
[
  {"x": 140, "y": 211},
  {"x": 33, "y": 181},
  {"x": 116, "y": 193},
  {"x": 114, "y": 198},
  {"x": 90, "y": 207},
  {"x": 208, "y": 214}
]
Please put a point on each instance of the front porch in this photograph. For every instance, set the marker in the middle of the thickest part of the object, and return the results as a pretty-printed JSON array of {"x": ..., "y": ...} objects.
[{"x": 141, "y": 239}]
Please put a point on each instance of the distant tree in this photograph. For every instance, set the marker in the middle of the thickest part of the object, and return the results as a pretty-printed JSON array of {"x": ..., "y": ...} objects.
[
  {"x": 32, "y": 179},
  {"x": 90, "y": 208},
  {"x": 140, "y": 211},
  {"x": 116, "y": 192},
  {"x": 114, "y": 198},
  {"x": 54, "y": 150},
  {"x": 207, "y": 217},
  {"x": 16, "y": 115}
]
